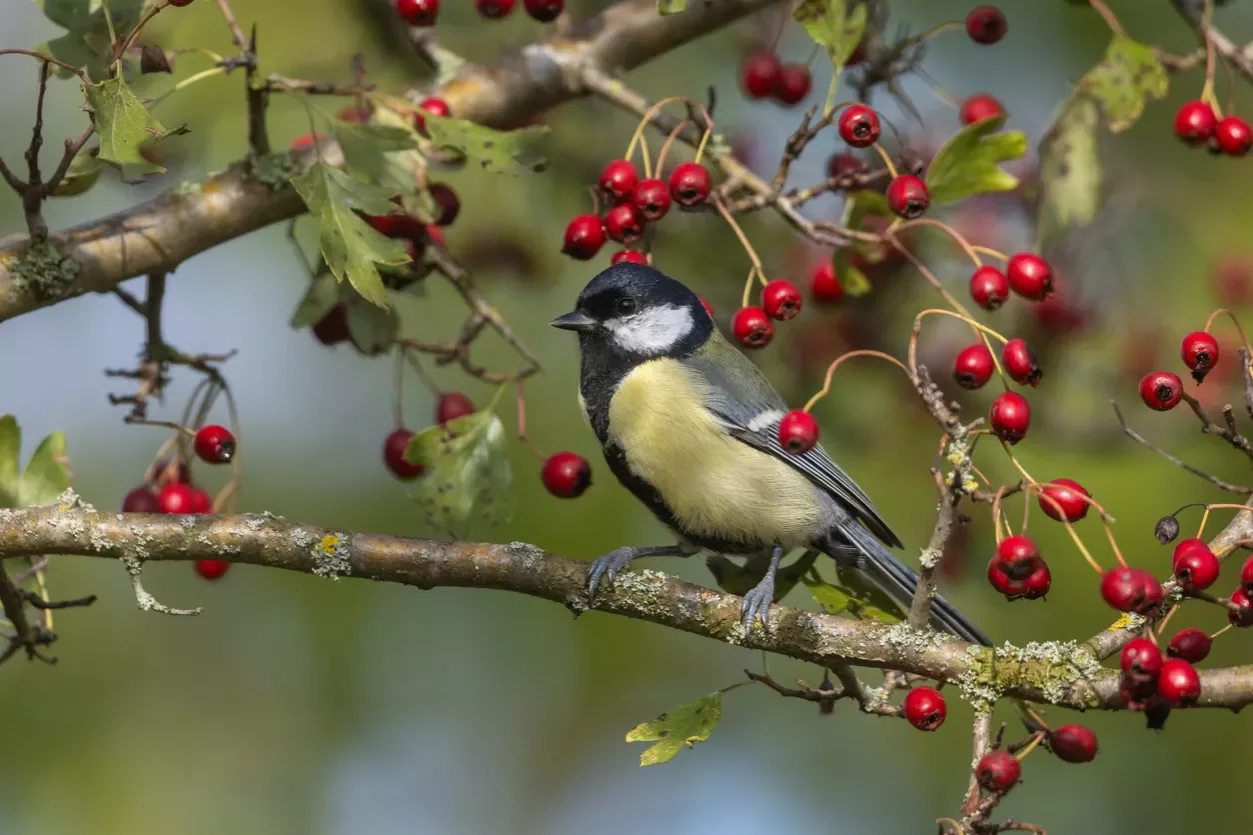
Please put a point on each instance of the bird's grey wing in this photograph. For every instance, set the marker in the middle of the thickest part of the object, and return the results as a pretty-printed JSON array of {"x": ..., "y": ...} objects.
[{"x": 748, "y": 405}]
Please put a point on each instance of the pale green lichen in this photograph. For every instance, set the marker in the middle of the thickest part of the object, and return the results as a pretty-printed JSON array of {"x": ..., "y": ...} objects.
[
  {"x": 44, "y": 272},
  {"x": 1060, "y": 670},
  {"x": 275, "y": 169}
]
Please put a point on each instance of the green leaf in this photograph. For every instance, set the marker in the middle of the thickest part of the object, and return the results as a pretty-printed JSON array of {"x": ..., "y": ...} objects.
[
  {"x": 869, "y": 601},
  {"x": 46, "y": 475},
  {"x": 830, "y": 24},
  {"x": 671, "y": 6},
  {"x": 87, "y": 44},
  {"x": 349, "y": 245},
  {"x": 739, "y": 579},
  {"x": 367, "y": 151},
  {"x": 82, "y": 174},
  {"x": 503, "y": 152},
  {"x": 406, "y": 168},
  {"x": 1129, "y": 76},
  {"x": 125, "y": 126},
  {"x": 679, "y": 727},
  {"x": 467, "y": 470},
  {"x": 372, "y": 329},
  {"x": 968, "y": 164},
  {"x": 1070, "y": 169},
  {"x": 851, "y": 276},
  {"x": 10, "y": 450},
  {"x": 322, "y": 295},
  {"x": 834, "y": 600}
]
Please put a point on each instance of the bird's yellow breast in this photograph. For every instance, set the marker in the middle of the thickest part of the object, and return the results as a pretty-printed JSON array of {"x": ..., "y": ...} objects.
[{"x": 715, "y": 485}]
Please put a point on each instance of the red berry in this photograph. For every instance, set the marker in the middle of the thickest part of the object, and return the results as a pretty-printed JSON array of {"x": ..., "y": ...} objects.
[
  {"x": 690, "y": 184},
  {"x": 1161, "y": 390},
  {"x": 1018, "y": 554},
  {"x": 651, "y": 199},
  {"x": 141, "y": 500},
  {"x": 201, "y": 502},
  {"x": 1246, "y": 575},
  {"x": 304, "y": 141},
  {"x": 1069, "y": 496},
  {"x": 566, "y": 475},
  {"x": 632, "y": 256},
  {"x": 333, "y": 327},
  {"x": 925, "y": 708},
  {"x": 623, "y": 224},
  {"x": 978, "y": 108},
  {"x": 752, "y": 327},
  {"x": 844, "y": 164},
  {"x": 394, "y": 446},
  {"x": 760, "y": 75},
  {"x": 1011, "y": 417},
  {"x": 214, "y": 444},
  {"x": 1195, "y": 122},
  {"x": 452, "y": 405},
  {"x": 1199, "y": 352},
  {"x": 1234, "y": 137},
  {"x": 180, "y": 3},
  {"x": 859, "y": 126},
  {"x": 1017, "y": 570},
  {"x": 618, "y": 179},
  {"x": 1073, "y": 743},
  {"x": 171, "y": 471},
  {"x": 545, "y": 11},
  {"x": 781, "y": 300},
  {"x": 973, "y": 366},
  {"x": 1020, "y": 363},
  {"x": 1242, "y": 614},
  {"x": 584, "y": 237},
  {"x": 434, "y": 106},
  {"x": 1196, "y": 567},
  {"x": 986, "y": 25},
  {"x": 998, "y": 771},
  {"x": 383, "y": 224},
  {"x": 1192, "y": 645},
  {"x": 798, "y": 431},
  {"x": 1029, "y": 275},
  {"x": 1178, "y": 684},
  {"x": 212, "y": 569},
  {"x": 448, "y": 202},
  {"x": 177, "y": 498},
  {"x": 794, "y": 83},
  {"x": 358, "y": 115},
  {"x": 418, "y": 12},
  {"x": 1131, "y": 590},
  {"x": 989, "y": 287},
  {"x": 709, "y": 308},
  {"x": 908, "y": 196},
  {"x": 1141, "y": 656},
  {"x": 824, "y": 286},
  {"x": 494, "y": 9}
]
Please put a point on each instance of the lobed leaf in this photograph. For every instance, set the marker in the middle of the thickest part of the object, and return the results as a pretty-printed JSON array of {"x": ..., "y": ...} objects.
[
  {"x": 125, "y": 126},
  {"x": 832, "y": 25},
  {"x": 371, "y": 328},
  {"x": 82, "y": 174},
  {"x": 1127, "y": 77},
  {"x": 467, "y": 470},
  {"x": 679, "y": 727},
  {"x": 46, "y": 475},
  {"x": 324, "y": 293},
  {"x": 503, "y": 152},
  {"x": 969, "y": 163}
]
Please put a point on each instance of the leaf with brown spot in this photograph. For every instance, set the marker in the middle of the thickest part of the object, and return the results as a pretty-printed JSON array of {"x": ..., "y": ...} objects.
[{"x": 677, "y": 728}]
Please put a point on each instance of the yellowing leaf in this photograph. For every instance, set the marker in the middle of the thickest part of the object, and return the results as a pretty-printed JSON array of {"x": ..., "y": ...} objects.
[
  {"x": 969, "y": 163},
  {"x": 504, "y": 152},
  {"x": 831, "y": 24},
  {"x": 1070, "y": 169},
  {"x": 10, "y": 451},
  {"x": 671, "y": 6},
  {"x": 467, "y": 470},
  {"x": 125, "y": 126},
  {"x": 1127, "y": 77},
  {"x": 679, "y": 727}
]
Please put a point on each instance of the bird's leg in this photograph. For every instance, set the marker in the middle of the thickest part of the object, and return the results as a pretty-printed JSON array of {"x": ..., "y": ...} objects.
[
  {"x": 757, "y": 601},
  {"x": 618, "y": 559}
]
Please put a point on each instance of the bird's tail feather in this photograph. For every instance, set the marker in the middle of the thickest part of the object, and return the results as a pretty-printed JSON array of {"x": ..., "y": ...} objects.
[{"x": 899, "y": 581}]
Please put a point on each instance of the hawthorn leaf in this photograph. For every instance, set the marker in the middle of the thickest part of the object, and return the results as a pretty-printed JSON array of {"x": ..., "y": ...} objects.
[
  {"x": 1070, "y": 169},
  {"x": 851, "y": 277},
  {"x": 323, "y": 294},
  {"x": 372, "y": 329},
  {"x": 87, "y": 44},
  {"x": 349, "y": 245},
  {"x": 46, "y": 475},
  {"x": 671, "y": 6},
  {"x": 367, "y": 150},
  {"x": 125, "y": 126},
  {"x": 10, "y": 450},
  {"x": 82, "y": 174},
  {"x": 969, "y": 163},
  {"x": 737, "y": 578},
  {"x": 832, "y": 25},
  {"x": 869, "y": 602},
  {"x": 1129, "y": 76},
  {"x": 467, "y": 470},
  {"x": 502, "y": 152},
  {"x": 833, "y": 600},
  {"x": 677, "y": 728},
  {"x": 406, "y": 168}
]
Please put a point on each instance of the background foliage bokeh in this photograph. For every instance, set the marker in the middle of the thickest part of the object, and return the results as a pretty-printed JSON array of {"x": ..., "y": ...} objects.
[{"x": 299, "y": 705}]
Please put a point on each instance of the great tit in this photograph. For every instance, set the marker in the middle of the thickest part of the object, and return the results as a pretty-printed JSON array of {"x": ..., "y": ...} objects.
[{"x": 690, "y": 426}]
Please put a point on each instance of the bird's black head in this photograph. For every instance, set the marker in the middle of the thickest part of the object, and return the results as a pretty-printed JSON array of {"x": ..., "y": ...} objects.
[{"x": 638, "y": 311}]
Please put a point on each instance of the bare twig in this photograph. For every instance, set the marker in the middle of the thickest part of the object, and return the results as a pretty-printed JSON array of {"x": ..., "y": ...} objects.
[{"x": 1212, "y": 479}]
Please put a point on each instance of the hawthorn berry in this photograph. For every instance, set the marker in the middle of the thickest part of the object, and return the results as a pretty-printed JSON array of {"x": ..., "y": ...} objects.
[
  {"x": 824, "y": 285},
  {"x": 305, "y": 140},
  {"x": 781, "y": 300},
  {"x": 908, "y": 196},
  {"x": 623, "y": 224},
  {"x": 1166, "y": 529},
  {"x": 1131, "y": 590},
  {"x": 859, "y": 126},
  {"x": 214, "y": 444},
  {"x": 925, "y": 708},
  {"x": 436, "y": 107},
  {"x": 1192, "y": 645},
  {"x": 447, "y": 201},
  {"x": 494, "y": 9},
  {"x": 980, "y": 107},
  {"x": 545, "y": 11},
  {"x": 141, "y": 500},
  {"x": 584, "y": 237},
  {"x": 1029, "y": 275},
  {"x": 1020, "y": 363},
  {"x": 632, "y": 256},
  {"x": 1010, "y": 416},
  {"x": 1246, "y": 575},
  {"x": 384, "y": 224},
  {"x": 989, "y": 287},
  {"x": 333, "y": 327},
  {"x": 177, "y": 498},
  {"x": 418, "y": 12},
  {"x": 178, "y": 4},
  {"x": 1178, "y": 684},
  {"x": 1141, "y": 657},
  {"x": 794, "y": 84},
  {"x": 171, "y": 471},
  {"x": 761, "y": 74},
  {"x": 201, "y": 502},
  {"x": 212, "y": 569},
  {"x": 752, "y": 327},
  {"x": 690, "y": 184},
  {"x": 651, "y": 199},
  {"x": 1138, "y": 691},
  {"x": 1073, "y": 743},
  {"x": 1233, "y": 136},
  {"x": 1195, "y": 122},
  {"x": 1069, "y": 496},
  {"x": 998, "y": 771},
  {"x": 618, "y": 179},
  {"x": 1161, "y": 390},
  {"x": 1017, "y": 570},
  {"x": 452, "y": 405},
  {"x": 973, "y": 366},
  {"x": 798, "y": 431},
  {"x": 1199, "y": 351},
  {"x": 566, "y": 475},
  {"x": 844, "y": 164},
  {"x": 1241, "y": 613},
  {"x": 986, "y": 25},
  {"x": 1195, "y": 566},
  {"x": 394, "y": 446}
]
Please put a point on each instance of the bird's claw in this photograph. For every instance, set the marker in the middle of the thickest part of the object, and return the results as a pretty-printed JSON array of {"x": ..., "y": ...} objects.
[
  {"x": 607, "y": 566},
  {"x": 756, "y": 605}
]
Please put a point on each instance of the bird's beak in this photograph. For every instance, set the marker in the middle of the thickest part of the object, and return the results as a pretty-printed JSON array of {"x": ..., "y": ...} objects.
[{"x": 574, "y": 321}]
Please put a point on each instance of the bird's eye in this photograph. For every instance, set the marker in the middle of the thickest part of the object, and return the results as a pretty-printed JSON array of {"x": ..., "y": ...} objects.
[{"x": 626, "y": 306}]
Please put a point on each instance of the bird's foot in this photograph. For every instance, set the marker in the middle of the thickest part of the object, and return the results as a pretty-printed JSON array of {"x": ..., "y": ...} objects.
[
  {"x": 608, "y": 566},
  {"x": 756, "y": 605}
]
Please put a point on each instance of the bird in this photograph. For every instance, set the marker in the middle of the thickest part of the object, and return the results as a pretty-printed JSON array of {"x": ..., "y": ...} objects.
[{"x": 689, "y": 425}]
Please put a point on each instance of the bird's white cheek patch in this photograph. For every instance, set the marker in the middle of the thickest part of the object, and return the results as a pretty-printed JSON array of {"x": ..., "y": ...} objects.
[{"x": 652, "y": 331}]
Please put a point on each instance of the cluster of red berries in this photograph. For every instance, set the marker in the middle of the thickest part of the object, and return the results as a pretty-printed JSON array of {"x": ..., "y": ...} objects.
[
  {"x": 1197, "y": 125},
  {"x": 998, "y": 770},
  {"x": 764, "y": 76},
  {"x": 1018, "y": 571},
  {"x": 424, "y": 12},
  {"x": 1151, "y": 681},
  {"x": 1162, "y": 390}
]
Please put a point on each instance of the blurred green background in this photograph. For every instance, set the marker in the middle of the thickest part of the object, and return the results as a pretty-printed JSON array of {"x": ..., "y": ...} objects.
[{"x": 298, "y": 705}]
